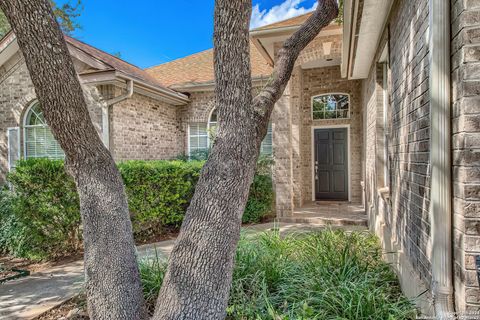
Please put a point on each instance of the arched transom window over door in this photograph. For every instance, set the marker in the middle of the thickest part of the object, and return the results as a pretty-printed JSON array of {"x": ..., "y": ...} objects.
[
  {"x": 331, "y": 106},
  {"x": 38, "y": 138}
]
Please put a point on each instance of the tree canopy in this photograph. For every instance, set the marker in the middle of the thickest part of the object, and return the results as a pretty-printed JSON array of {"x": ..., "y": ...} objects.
[{"x": 66, "y": 14}]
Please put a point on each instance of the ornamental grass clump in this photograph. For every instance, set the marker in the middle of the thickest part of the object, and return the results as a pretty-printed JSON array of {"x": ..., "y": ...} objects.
[{"x": 330, "y": 274}]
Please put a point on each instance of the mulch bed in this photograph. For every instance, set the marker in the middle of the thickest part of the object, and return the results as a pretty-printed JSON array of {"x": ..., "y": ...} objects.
[
  {"x": 73, "y": 309},
  {"x": 9, "y": 263},
  {"x": 11, "y": 274}
]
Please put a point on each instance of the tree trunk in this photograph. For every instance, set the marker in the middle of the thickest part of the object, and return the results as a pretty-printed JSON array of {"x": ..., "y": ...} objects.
[
  {"x": 198, "y": 278},
  {"x": 111, "y": 272}
]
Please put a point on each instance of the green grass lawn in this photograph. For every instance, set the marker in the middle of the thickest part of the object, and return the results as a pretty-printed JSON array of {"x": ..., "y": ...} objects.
[{"x": 319, "y": 275}]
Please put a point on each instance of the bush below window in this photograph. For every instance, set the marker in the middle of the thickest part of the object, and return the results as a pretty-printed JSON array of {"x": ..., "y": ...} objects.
[{"x": 40, "y": 217}]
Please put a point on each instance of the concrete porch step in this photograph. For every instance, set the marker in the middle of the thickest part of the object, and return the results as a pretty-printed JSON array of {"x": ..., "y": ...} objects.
[
  {"x": 335, "y": 214},
  {"x": 326, "y": 221}
]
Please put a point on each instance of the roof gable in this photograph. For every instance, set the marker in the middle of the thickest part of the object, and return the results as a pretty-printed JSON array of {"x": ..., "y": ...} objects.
[
  {"x": 98, "y": 67},
  {"x": 111, "y": 62}
]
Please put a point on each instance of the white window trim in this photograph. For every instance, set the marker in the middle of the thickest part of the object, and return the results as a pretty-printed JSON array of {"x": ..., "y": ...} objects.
[
  {"x": 330, "y": 94},
  {"x": 189, "y": 146},
  {"x": 19, "y": 153},
  {"x": 209, "y": 124},
  {"x": 26, "y": 126}
]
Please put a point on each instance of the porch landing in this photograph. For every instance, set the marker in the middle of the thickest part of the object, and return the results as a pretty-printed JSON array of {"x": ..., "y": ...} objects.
[{"x": 332, "y": 213}]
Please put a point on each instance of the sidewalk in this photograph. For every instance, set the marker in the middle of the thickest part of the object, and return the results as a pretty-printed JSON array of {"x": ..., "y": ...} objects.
[{"x": 31, "y": 296}]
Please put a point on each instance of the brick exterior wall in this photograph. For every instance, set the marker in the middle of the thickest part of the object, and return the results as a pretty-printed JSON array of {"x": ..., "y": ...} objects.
[
  {"x": 143, "y": 128},
  {"x": 292, "y": 135},
  {"x": 466, "y": 150},
  {"x": 16, "y": 95},
  {"x": 322, "y": 81},
  {"x": 403, "y": 209},
  {"x": 140, "y": 127},
  {"x": 198, "y": 110},
  {"x": 293, "y": 124}
]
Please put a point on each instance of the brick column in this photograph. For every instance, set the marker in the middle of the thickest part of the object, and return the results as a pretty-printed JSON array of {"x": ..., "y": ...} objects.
[
  {"x": 296, "y": 85},
  {"x": 282, "y": 149}
]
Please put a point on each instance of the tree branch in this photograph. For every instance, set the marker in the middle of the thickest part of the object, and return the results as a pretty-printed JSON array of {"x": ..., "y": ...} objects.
[{"x": 263, "y": 103}]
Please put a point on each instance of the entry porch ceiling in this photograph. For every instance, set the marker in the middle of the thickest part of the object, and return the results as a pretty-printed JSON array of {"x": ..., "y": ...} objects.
[
  {"x": 267, "y": 40},
  {"x": 364, "y": 22}
]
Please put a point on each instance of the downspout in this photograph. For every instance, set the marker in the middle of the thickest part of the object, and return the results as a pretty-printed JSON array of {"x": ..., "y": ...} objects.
[
  {"x": 440, "y": 158},
  {"x": 106, "y": 112}
]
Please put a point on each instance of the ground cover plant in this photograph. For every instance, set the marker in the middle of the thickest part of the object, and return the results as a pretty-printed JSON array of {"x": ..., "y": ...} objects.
[{"x": 320, "y": 275}]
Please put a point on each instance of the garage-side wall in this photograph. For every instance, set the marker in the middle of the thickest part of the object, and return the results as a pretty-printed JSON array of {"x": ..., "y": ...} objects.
[{"x": 398, "y": 204}]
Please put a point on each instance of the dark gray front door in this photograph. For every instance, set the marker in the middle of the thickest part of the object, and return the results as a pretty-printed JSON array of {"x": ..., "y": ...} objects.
[{"x": 331, "y": 164}]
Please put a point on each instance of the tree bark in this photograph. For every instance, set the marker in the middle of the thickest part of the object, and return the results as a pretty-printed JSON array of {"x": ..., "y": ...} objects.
[
  {"x": 198, "y": 278},
  {"x": 111, "y": 272}
]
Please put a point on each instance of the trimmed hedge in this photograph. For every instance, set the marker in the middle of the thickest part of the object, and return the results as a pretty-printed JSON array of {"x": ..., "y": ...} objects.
[
  {"x": 44, "y": 220},
  {"x": 40, "y": 217},
  {"x": 158, "y": 192}
]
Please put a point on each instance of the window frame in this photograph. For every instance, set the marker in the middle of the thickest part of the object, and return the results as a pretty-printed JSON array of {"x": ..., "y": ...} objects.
[
  {"x": 197, "y": 136},
  {"x": 330, "y": 94},
  {"x": 19, "y": 151},
  {"x": 210, "y": 124},
  {"x": 25, "y": 126}
]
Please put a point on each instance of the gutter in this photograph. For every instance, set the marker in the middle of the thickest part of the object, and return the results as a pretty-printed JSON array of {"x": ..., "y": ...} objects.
[
  {"x": 347, "y": 32},
  {"x": 106, "y": 112},
  {"x": 440, "y": 159}
]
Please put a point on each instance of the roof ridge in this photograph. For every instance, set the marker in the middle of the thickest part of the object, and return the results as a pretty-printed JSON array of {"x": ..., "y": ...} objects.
[{"x": 177, "y": 59}]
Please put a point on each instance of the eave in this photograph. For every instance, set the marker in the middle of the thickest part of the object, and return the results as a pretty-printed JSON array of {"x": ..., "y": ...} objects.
[
  {"x": 114, "y": 77},
  {"x": 364, "y": 23}
]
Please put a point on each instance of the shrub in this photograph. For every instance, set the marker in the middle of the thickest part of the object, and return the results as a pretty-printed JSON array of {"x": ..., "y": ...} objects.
[
  {"x": 12, "y": 232},
  {"x": 260, "y": 200},
  {"x": 46, "y": 218},
  {"x": 158, "y": 192},
  {"x": 40, "y": 219},
  {"x": 320, "y": 275}
]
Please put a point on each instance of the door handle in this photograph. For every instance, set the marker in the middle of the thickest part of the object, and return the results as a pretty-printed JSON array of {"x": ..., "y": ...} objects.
[{"x": 316, "y": 170}]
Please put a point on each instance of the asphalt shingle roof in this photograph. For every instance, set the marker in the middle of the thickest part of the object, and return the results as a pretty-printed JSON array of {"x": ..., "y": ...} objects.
[{"x": 198, "y": 68}]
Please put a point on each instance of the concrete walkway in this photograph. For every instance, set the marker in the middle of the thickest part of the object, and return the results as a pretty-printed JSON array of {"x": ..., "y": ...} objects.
[{"x": 31, "y": 296}]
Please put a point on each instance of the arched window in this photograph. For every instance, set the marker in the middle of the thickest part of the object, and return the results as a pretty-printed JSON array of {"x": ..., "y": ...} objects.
[
  {"x": 212, "y": 121},
  {"x": 331, "y": 106},
  {"x": 201, "y": 136},
  {"x": 38, "y": 138}
]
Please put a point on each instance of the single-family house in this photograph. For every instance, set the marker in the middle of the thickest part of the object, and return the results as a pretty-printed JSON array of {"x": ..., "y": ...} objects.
[{"x": 380, "y": 124}]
